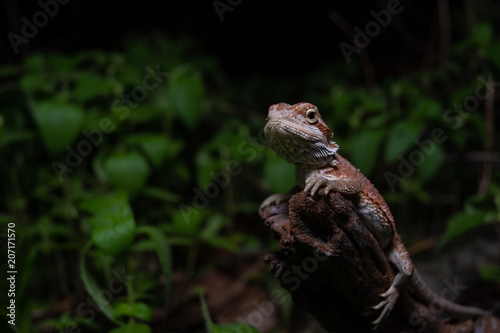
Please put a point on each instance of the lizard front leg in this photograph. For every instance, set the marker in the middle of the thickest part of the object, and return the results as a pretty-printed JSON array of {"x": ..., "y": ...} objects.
[{"x": 317, "y": 178}]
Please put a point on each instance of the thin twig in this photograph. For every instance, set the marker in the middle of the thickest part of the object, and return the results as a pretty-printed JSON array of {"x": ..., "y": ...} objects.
[
  {"x": 444, "y": 30},
  {"x": 490, "y": 133},
  {"x": 429, "y": 58},
  {"x": 474, "y": 156}
]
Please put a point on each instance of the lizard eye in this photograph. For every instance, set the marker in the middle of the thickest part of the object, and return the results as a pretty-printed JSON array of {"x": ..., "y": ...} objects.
[{"x": 311, "y": 116}]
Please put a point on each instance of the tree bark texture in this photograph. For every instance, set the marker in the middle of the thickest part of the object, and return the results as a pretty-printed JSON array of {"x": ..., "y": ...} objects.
[{"x": 335, "y": 269}]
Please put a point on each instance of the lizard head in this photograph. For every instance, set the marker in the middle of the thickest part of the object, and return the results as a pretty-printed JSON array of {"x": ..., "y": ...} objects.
[{"x": 298, "y": 134}]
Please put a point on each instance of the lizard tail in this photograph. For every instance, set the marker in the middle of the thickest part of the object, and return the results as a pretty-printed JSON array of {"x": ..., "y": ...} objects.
[{"x": 456, "y": 310}]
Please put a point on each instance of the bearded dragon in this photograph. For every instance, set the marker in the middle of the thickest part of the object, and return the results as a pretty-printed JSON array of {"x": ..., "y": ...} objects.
[{"x": 298, "y": 134}]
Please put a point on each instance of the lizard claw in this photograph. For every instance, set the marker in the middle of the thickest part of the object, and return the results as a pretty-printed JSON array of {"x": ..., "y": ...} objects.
[
  {"x": 274, "y": 199},
  {"x": 314, "y": 182},
  {"x": 390, "y": 297}
]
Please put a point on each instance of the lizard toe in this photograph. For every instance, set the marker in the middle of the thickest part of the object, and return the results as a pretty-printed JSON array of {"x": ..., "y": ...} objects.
[
  {"x": 308, "y": 186},
  {"x": 313, "y": 184},
  {"x": 330, "y": 187},
  {"x": 389, "y": 292},
  {"x": 273, "y": 200},
  {"x": 317, "y": 185},
  {"x": 387, "y": 304}
]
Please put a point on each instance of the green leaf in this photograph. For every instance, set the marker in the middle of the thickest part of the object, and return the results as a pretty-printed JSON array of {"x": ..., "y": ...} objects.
[
  {"x": 222, "y": 242},
  {"x": 214, "y": 224},
  {"x": 132, "y": 328},
  {"x": 461, "y": 223},
  {"x": 136, "y": 310},
  {"x": 427, "y": 108},
  {"x": 402, "y": 136},
  {"x": 186, "y": 221},
  {"x": 90, "y": 85},
  {"x": 186, "y": 93},
  {"x": 205, "y": 313},
  {"x": 35, "y": 62},
  {"x": 483, "y": 35},
  {"x": 92, "y": 288},
  {"x": 432, "y": 161},
  {"x": 113, "y": 229},
  {"x": 341, "y": 98},
  {"x": 127, "y": 171},
  {"x": 98, "y": 203},
  {"x": 279, "y": 174},
  {"x": 156, "y": 146},
  {"x": 144, "y": 282},
  {"x": 162, "y": 250},
  {"x": 487, "y": 203},
  {"x": 228, "y": 328},
  {"x": 59, "y": 124},
  {"x": 491, "y": 272},
  {"x": 206, "y": 165},
  {"x": 113, "y": 225},
  {"x": 61, "y": 63},
  {"x": 364, "y": 149}
]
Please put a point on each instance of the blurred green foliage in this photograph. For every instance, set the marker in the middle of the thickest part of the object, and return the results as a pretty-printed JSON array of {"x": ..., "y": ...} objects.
[
  {"x": 154, "y": 154},
  {"x": 228, "y": 328}
]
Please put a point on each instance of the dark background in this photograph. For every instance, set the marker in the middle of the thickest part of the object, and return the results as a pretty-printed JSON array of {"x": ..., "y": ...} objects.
[
  {"x": 267, "y": 52},
  {"x": 274, "y": 37}
]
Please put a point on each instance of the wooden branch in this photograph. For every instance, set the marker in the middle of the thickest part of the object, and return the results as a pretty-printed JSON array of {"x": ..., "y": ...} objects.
[{"x": 335, "y": 269}]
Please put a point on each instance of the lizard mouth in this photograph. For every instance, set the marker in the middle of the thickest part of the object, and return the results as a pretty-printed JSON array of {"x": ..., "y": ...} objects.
[
  {"x": 298, "y": 143},
  {"x": 293, "y": 129}
]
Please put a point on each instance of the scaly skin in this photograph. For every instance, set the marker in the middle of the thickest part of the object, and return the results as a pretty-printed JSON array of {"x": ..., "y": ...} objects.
[{"x": 298, "y": 134}]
